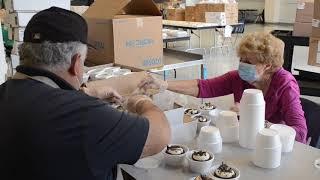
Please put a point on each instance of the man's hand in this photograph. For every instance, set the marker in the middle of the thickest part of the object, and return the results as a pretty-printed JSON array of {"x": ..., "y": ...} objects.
[
  {"x": 103, "y": 93},
  {"x": 152, "y": 85},
  {"x": 133, "y": 104}
]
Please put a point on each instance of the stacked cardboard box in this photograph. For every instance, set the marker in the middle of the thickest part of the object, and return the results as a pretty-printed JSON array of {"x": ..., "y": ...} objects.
[
  {"x": 176, "y": 14},
  {"x": 19, "y": 13},
  {"x": 302, "y": 26},
  {"x": 141, "y": 48},
  {"x": 230, "y": 10},
  {"x": 190, "y": 14},
  {"x": 314, "y": 45}
]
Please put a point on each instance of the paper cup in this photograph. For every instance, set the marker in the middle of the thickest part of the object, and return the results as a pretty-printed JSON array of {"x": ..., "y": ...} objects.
[
  {"x": 268, "y": 138},
  {"x": 267, "y": 157},
  {"x": 209, "y": 134},
  {"x": 287, "y": 136},
  {"x": 252, "y": 96},
  {"x": 200, "y": 167},
  {"x": 175, "y": 160},
  {"x": 214, "y": 148}
]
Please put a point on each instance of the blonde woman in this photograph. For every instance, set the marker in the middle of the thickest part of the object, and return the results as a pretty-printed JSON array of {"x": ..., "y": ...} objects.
[{"x": 261, "y": 60}]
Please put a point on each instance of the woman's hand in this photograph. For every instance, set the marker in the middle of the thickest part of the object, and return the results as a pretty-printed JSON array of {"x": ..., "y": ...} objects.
[
  {"x": 235, "y": 107},
  {"x": 152, "y": 85}
]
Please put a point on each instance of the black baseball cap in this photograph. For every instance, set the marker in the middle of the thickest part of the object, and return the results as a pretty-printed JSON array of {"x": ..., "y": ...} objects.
[{"x": 56, "y": 25}]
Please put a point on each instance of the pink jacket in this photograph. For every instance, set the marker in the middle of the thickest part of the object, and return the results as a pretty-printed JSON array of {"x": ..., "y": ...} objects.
[{"x": 283, "y": 104}]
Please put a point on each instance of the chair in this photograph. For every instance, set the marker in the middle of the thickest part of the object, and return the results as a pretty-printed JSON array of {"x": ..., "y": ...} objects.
[
  {"x": 312, "y": 114},
  {"x": 226, "y": 34},
  {"x": 238, "y": 30},
  {"x": 260, "y": 18}
]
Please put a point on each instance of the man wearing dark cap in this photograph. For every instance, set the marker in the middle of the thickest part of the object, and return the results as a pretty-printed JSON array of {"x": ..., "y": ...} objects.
[{"x": 49, "y": 130}]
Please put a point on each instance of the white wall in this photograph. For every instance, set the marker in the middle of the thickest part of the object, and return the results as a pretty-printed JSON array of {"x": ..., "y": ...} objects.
[
  {"x": 252, "y": 4},
  {"x": 281, "y": 11}
]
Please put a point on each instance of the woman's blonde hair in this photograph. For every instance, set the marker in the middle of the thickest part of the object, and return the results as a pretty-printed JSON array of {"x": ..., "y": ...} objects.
[{"x": 264, "y": 46}]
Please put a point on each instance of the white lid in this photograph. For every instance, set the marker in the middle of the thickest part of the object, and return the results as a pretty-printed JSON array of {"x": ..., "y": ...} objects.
[
  {"x": 283, "y": 130},
  {"x": 268, "y": 132}
]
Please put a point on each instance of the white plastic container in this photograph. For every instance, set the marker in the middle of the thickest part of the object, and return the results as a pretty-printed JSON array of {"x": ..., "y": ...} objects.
[
  {"x": 287, "y": 136},
  {"x": 268, "y": 149},
  {"x": 252, "y": 117}
]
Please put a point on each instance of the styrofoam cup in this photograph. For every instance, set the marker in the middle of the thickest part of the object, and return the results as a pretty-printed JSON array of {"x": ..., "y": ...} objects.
[
  {"x": 230, "y": 134},
  {"x": 214, "y": 114},
  {"x": 252, "y": 120},
  {"x": 252, "y": 96},
  {"x": 287, "y": 136},
  {"x": 227, "y": 119},
  {"x": 214, "y": 148},
  {"x": 267, "y": 157},
  {"x": 268, "y": 138},
  {"x": 209, "y": 134},
  {"x": 200, "y": 167}
]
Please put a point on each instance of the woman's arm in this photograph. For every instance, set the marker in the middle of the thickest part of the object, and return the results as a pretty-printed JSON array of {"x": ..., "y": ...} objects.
[
  {"x": 188, "y": 87},
  {"x": 292, "y": 111}
]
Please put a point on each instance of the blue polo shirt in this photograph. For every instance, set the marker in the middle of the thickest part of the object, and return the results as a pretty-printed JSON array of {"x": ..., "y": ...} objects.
[{"x": 62, "y": 134}]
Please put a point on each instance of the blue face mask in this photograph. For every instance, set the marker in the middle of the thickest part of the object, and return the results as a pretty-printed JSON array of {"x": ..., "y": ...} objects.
[{"x": 248, "y": 72}]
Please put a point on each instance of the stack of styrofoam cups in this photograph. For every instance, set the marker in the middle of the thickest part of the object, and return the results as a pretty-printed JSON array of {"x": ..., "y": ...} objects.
[
  {"x": 210, "y": 139},
  {"x": 252, "y": 117},
  {"x": 287, "y": 136},
  {"x": 267, "y": 153},
  {"x": 214, "y": 114},
  {"x": 228, "y": 125}
]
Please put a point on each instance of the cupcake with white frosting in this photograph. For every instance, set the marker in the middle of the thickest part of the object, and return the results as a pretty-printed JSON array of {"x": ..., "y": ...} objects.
[
  {"x": 225, "y": 172},
  {"x": 175, "y": 150},
  {"x": 201, "y": 156},
  {"x": 174, "y": 154}
]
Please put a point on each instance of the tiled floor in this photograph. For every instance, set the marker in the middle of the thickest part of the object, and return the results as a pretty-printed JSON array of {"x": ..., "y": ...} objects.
[{"x": 223, "y": 61}]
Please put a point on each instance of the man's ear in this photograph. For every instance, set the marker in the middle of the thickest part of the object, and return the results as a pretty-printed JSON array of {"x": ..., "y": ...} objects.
[{"x": 75, "y": 65}]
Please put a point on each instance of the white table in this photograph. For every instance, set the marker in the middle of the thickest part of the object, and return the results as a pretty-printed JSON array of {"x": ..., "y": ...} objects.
[
  {"x": 294, "y": 166},
  {"x": 195, "y": 26}
]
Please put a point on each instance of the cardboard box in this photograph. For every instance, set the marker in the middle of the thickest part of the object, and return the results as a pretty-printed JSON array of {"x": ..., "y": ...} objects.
[
  {"x": 316, "y": 20},
  {"x": 231, "y": 11},
  {"x": 35, "y": 5},
  {"x": 314, "y": 52},
  {"x": 19, "y": 19},
  {"x": 190, "y": 14},
  {"x": 305, "y": 12},
  {"x": 176, "y": 14},
  {"x": 133, "y": 38},
  {"x": 16, "y": 34},
  {"x": 302, "y": 29},
  {"x": 216, "y": 17}
]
